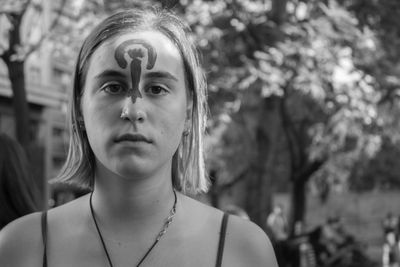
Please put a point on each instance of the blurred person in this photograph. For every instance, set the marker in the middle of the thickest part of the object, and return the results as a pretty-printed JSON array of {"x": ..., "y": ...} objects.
[
  {"x": 303, "y": 251},
  {"x": 18, "y": 192},
  {"x": 331, "y": 236},
  {"x": 277, "y": 223},
  {"x": 277, "y": 226},
  {"x": 397, "y": 231},
  {"x": 391, "y": 223},
  {"x": 334, "y": 245},
  {"x": 391, "y": 251},
  {"x": 137, "y": 124}
]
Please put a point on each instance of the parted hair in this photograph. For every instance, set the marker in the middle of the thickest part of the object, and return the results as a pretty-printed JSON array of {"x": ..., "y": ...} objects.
[{"x": 188, "y": 169}]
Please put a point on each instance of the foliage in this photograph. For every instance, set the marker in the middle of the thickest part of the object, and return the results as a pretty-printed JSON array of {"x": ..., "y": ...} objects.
[{"x": 331, "y": 64}]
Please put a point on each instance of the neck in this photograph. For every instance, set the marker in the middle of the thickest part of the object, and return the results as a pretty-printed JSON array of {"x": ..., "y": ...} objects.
[{"x": 126, "y": 203}]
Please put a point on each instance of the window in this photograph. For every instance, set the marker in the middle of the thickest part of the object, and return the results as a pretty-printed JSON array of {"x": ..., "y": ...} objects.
[
  {"x": 34, "y": 75},
  {"x": 7, "y": 124},
  {"x": 61, "y": 78}
]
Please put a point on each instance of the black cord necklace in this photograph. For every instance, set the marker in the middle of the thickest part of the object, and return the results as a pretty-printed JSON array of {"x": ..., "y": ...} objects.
[{"x": 160, "y": 234}]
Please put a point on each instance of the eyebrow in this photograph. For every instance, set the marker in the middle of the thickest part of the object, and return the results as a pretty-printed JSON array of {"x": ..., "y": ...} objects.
[
  {"x": 110, "y": 73},
  {"x": 153, "y": 74},
  {"x": 160, "y": 74}
]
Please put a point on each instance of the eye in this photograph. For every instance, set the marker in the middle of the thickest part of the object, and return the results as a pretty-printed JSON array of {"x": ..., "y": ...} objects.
[
  {"x": 113, "y": 88},
  {"x": 156, "y": 90}
]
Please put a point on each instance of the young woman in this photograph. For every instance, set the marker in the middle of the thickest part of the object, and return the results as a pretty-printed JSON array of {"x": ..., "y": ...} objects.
[{"x": 137, "y": 116}]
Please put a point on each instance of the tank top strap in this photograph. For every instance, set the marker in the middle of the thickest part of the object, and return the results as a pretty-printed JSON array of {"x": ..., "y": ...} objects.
[
  {"x": 221, "y": 244},
  {"x": 44, "y": 236}
]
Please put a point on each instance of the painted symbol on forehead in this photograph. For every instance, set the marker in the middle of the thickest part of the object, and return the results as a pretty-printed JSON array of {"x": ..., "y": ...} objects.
[{"x": 130, "y": 48}]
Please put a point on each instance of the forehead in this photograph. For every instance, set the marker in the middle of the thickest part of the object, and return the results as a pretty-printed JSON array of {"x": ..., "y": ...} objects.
[{"x": 167, "y": 55}]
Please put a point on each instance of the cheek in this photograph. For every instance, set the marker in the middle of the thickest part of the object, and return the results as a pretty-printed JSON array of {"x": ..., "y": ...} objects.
[
  {"x": 89, "y": 115},
  {"x": 86, "y": 106},
  {"x": 173, "y": 127},
  {"x": 98, "y": 119},
  {"x": 173, "y": 124},
  {"x": 98, "y": 112}
]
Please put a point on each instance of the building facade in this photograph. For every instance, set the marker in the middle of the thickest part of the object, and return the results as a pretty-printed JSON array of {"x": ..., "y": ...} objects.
[{"x": 48, "y": 76}]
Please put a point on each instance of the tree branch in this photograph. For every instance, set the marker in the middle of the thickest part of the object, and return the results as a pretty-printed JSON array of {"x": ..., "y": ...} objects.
[
  {"x": 388, "y": 95},
  {"x": 3, "y": 57},
  {"x": 32, "y": 48},
  {"x": 19, "y": 13},
  {"x": 278, "y": 11},
  {"x": 24, "y": 8},
  {"x": 310, "y": 169},
  {"x": 289, "y": 131}
]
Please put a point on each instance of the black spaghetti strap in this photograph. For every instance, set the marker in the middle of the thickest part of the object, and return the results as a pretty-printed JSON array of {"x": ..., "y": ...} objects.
[
  {"x": 222, "y": 239},
  {"x": 44, "y": 237}
]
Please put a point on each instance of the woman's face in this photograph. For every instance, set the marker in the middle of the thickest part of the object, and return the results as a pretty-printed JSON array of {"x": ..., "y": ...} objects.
[{"x": 139, "y": 74}]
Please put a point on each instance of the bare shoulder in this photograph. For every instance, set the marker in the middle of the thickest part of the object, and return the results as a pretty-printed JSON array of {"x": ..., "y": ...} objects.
[
  {"x": 200, "y": 214},
  {"x": 21, "y": 242},
  {"x": 247, "y": 245}
]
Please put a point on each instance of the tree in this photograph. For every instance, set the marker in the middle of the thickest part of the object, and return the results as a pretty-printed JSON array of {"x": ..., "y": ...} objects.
[
  {"x": 286, "y": 73},
  {"x": 25, "y": 26},
  {"x": 15, "y": 53}
]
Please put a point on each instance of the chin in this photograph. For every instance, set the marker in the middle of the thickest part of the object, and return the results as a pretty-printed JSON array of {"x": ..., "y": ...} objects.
[
  {"x": 140, "y": 167},
  {"x": 132, "y": 171}
]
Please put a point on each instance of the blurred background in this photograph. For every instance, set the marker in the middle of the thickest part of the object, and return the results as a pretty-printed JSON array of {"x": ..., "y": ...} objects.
[{"x": 304, "y": 111}]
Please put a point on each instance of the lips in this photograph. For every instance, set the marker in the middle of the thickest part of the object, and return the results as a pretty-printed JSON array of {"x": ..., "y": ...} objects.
[{"x": 132, "y": 138}]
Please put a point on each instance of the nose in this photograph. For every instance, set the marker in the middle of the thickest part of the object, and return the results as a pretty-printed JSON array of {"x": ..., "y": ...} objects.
[{"x": 133, "y": 111}]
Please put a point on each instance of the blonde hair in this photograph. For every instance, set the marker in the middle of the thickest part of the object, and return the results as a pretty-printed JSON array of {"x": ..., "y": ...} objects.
[{"x": 188, "y": 169}]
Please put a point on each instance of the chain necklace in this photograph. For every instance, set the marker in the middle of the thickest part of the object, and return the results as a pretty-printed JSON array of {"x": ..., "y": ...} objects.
[{"x": 168, "y": 221}]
